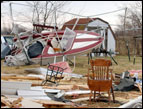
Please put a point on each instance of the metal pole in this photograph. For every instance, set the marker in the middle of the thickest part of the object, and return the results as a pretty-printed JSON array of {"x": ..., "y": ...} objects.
[
  {"x": 112, "y": 57},
  {"x": 75, "y": 24},
  {"x": 127, "y": 42},
  {"x": 54, "y": 59},
  {"x": 11, "y": 15},
  {"x": 74, "y": 64},
  {"x": 55, "y": 26},
  {"x": 16, "y": 34},
  {"x": 63, "y": 58},
  {"x": 134, "y": 52},
  {"x": 127, "y": 45}
]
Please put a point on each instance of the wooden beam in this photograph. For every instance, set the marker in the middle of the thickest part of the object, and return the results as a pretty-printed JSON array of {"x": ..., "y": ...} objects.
[
  {"x": 20, "y": 77},
  {"x": 53, "y": 104}
]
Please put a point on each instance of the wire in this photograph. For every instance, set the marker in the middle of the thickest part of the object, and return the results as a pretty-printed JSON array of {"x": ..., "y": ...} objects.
[
  {"x": 48, "y": 9},
  {"x": 74, "y": 13},
  {"x": 107, "y": 12}
]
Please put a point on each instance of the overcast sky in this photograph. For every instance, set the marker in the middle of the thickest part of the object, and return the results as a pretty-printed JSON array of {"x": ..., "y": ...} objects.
[{"x": 86, "y": 8}]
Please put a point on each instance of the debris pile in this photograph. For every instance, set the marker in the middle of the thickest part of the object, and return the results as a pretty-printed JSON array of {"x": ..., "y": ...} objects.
[
  {"x": 22, "y": 91},
  {"x": 11, "y": 103}
]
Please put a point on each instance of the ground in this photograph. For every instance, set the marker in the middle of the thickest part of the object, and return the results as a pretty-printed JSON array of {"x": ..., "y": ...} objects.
[
  {"x": 82, "y": 65},
  {"x": 82, "y": 68}
]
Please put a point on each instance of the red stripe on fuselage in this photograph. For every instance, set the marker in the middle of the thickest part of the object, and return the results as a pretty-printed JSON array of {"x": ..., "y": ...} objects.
[{"x": 86, "y": 39}]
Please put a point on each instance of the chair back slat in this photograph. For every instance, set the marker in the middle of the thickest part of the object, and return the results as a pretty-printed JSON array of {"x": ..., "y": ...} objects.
[{"x": 100, "y": 68}]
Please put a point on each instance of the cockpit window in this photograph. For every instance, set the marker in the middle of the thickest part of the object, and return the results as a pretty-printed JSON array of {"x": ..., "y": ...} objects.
[
  {"x": 67, "y": 39},
  {"x": 9, "y": 40}
]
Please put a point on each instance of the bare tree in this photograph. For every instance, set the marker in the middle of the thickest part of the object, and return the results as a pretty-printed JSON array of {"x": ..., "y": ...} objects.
[
  {"x": 133, "y": 18},
  {"x": 130, "y": 27},
  {"x": 43, "y": 11}
]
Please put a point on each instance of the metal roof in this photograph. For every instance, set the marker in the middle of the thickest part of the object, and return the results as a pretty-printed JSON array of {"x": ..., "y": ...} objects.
[{"x": 82, "y": 24}]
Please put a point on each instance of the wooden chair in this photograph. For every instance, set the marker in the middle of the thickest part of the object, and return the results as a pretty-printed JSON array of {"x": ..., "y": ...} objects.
[{"x": 99, "y": 78}]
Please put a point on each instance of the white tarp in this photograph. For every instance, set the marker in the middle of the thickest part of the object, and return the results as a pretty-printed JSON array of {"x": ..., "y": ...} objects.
[
  {"x": 43, "y": 71},
  {"x": 19, "y": 59},
  {"x": 135, "y": 103}
]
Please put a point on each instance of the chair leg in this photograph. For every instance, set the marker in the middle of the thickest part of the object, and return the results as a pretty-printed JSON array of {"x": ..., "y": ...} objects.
[
  {"x": 99, "y": 96},
  {"x": 109, "y": 96},
  {"x": 90, "y": 96},
  {"x": 113, "y": 94},
  {"x": 94, "y": 95}
]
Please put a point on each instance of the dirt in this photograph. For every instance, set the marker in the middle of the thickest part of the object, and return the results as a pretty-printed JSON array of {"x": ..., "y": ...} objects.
[{"x": 82, "y": 68}]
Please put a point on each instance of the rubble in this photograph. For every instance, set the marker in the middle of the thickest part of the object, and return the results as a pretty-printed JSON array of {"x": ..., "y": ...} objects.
[
  {"x": 136, "y": 103},
  {"x": 27, "y": 92},
  {"x": 11, "y": 103}
]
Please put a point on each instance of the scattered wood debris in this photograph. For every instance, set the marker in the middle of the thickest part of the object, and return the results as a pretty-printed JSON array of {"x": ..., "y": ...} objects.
[
  {"x": 53, "y": 104},
  {"x": 7, "y": 77},
  {"x": 11, "y": 104},
  {"x": 68, "y": 87},
  {"x": 75, "y": 90}
]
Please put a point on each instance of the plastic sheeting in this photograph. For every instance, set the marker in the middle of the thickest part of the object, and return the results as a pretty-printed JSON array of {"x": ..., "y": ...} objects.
[
  {"x": 5, "y": 50},
  {"x": 126, "y": 83},
  {"x": 136, "y": 103},
  {"x": 43, "y": 71},
  {"x": 19, "y": 59},
  {"x": 63, "y": 65}
]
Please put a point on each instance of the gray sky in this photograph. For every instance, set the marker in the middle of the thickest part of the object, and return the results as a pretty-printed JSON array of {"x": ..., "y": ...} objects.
[{"x": 85, "y": 8}]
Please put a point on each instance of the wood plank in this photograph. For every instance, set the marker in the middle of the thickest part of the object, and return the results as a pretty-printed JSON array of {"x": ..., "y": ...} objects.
[
  {"x": 71, "y": 93},
  {"x": 29, "y": 103},
  {"x": 62, "y": 87},
  {"x": 57, "y": 106},
  {"x": 45, "y": 90},
  {"x": 17, "y": 101},
  {"x": 5, "y": 101},
  {"x": 21, "y": 77},
  {"x": 10, "y": 102},
  {"x": 53, "y": 104},
  {"x": 139, "y": 86},
  {"x": 50, "y": 102},
  {"x": 81, "y": 99},
  {"x": 68, "y": 87}
]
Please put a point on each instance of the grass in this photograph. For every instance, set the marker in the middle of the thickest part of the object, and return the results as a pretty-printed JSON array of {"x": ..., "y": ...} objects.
[
  {"x": 82, "y": 65},
  {"x": 82, "y": 68},
  {"x": 123, "y": 64}
]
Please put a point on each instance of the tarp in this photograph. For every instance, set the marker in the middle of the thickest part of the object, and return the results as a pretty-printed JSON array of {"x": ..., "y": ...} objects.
[
  {"x": 19, "y": 59},
  {"x": 126, "y": 83},
  {"x": 63, "y": 65},
  {"x": 134, "y": 71}
]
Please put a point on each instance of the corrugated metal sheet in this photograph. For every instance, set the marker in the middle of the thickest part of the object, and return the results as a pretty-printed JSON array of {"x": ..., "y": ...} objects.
[{"x": 80, "y": 25}]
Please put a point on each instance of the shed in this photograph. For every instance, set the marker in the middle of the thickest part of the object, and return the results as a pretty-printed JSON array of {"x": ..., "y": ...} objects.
[{"x": 96, "y": 25}]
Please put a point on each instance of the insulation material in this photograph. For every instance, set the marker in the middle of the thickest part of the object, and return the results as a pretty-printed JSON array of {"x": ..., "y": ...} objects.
[
  {"x": 63, "y": 65},
  {"x": 10, "y": 88},
  {"x": 19, "y": 59}
]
